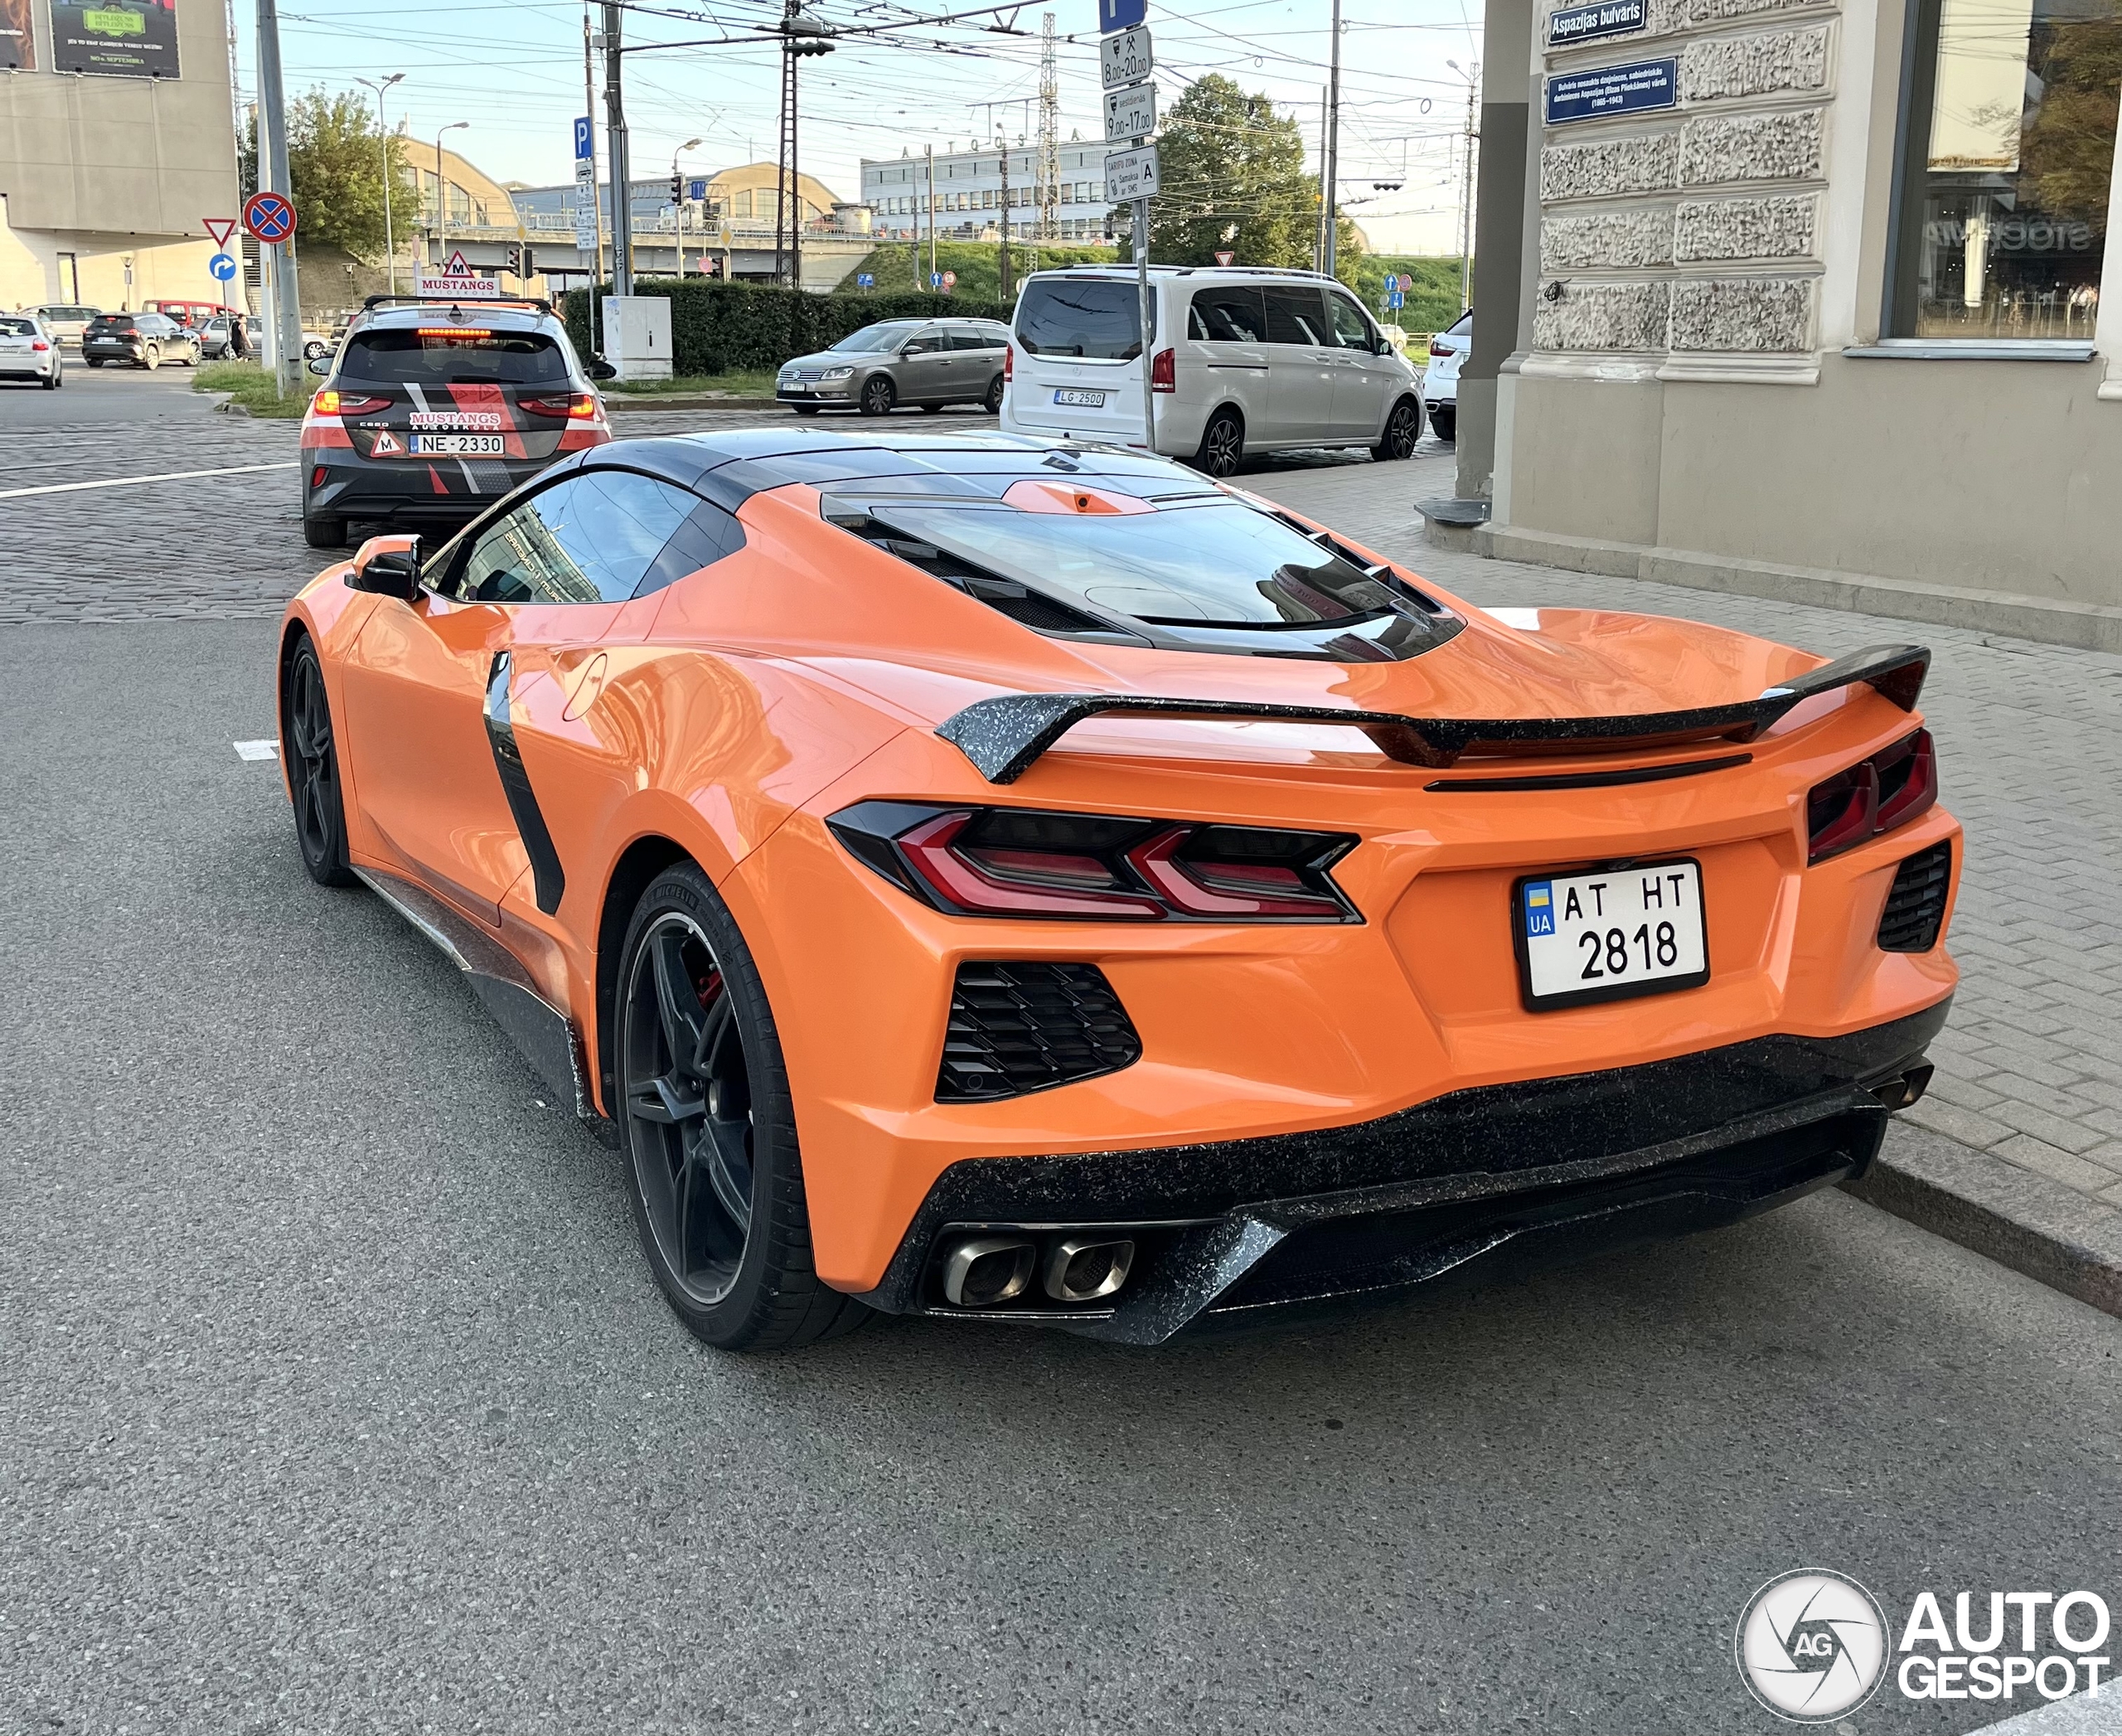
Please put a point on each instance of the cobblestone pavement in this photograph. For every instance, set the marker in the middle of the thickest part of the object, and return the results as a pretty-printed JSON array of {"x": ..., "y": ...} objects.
[
  {"x": 2030, "y": 741},
  {"x": 2032, "y": 735}
]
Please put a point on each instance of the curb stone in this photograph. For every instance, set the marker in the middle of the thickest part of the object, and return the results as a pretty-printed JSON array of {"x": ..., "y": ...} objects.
[{"x": 2053, "y": 1233}]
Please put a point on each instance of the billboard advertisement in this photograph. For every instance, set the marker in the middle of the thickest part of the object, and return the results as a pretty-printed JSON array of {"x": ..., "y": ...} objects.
[
  {"x": 17, "y": 40},
  {"x": 125, "y": 38}
]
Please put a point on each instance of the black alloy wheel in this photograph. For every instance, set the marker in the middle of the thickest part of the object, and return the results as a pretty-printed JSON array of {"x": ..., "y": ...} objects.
[
  {"x": 708, "y": 1129},
  {"x": 1403, "y": 428},
  {"x": 992, "y": 403},
  {"x": 313, "y": 762},
  {"x": 878, "y": 395},
  {"x": 1223, "y": 444}
]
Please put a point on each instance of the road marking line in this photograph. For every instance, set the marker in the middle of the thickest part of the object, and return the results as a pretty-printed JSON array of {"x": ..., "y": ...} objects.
[
  {"x": 267, "y": 749},
  {"x": 167, "y": 475}
]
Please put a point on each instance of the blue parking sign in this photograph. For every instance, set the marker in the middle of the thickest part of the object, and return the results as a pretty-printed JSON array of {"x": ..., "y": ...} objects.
[
  {"x": 865, "y": 280},
  {"x": 585, "y": 138}
]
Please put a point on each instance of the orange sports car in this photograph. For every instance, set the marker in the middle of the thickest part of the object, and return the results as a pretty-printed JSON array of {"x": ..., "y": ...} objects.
[{"x": 972, "y": 876}]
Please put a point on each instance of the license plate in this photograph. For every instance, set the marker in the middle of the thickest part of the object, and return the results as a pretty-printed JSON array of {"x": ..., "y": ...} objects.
[
  {"x": 1087, "y": 401},
  {"x": 456, "y": 446},
  {"x": 795, "y": 386},
  {"x": 1600, "y": 937}
]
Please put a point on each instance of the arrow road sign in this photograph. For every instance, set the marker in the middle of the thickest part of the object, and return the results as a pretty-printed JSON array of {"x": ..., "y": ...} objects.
[
  {"x": 1131, "y": 175},
  {"x": 1130, "y": 113},
  {"x": 935, "y": 280},
  {"x": 1121, "y": 14},
  {"x": 222, "y": 267},
  {"x": 269, "y": 216},
  {"x": 1393, "y": 298},
  {"x": 1126, "y": 59},
  {"x": 696, "y": 190},
  {"x": 221, "y": 228}
]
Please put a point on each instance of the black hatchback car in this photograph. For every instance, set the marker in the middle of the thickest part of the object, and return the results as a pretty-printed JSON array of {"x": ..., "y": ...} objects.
[
  {"x": 430, "y": 411},
  {"x": 138, "y": 340}
]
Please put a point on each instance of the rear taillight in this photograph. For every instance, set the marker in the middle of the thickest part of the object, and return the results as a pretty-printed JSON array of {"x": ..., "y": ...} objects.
[
  {"x": 1874, "y": 796},
  {"x": 1439, "y": 348},
  {"x": 1009, "y": 364},
  {"x": 1164, "y": 371},
  {"x": 578, "y": 406},
  {"x": 1008, "y": 861},
  {"x": 39, "y": 347},
  {"x": 330, "y": 403},
  {"x": 326, "y": 403}
]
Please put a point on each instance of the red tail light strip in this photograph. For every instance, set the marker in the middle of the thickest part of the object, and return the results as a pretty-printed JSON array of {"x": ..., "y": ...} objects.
[{"x": 1874, "y": 796}]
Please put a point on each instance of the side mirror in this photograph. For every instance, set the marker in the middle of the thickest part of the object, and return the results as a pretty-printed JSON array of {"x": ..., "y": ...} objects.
[
  {"x": 320, "y": 364},
  {"x": 1385, "y": 346},
  {"x": 388, "y": 565},
  {"x": 915, "y": 349},
  {"x": 601, "y": 369}
]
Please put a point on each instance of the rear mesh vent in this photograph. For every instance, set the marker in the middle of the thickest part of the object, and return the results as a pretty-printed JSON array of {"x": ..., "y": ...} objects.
[
  {"x": 1915, "y": 908},
  {"x": 1017, "y": 1028}
]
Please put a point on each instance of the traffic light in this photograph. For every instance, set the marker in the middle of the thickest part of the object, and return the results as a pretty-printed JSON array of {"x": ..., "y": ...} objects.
[
  {"x": 677, "y": 188},
  {"x": 530, "y": 264},
  {"x": 516, "y": 258},
  {"x": 811, "y": 45}
]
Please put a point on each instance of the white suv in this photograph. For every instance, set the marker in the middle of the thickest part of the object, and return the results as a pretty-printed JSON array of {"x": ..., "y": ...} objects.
[
  {"x": 1240, "y": 360},
  {"x": 1447, "y": 353}
]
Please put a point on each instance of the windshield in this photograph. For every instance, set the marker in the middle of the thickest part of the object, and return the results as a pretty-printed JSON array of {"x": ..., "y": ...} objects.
[
  {"x": 872, "y": 338},
  {"x": 454, "y": 356},
  {"x": 1224, "y": 564},
  {"x": 16, "y": 328},
  {"x": 1094, "y": 318},
  {"x": 114, "y": 322}
]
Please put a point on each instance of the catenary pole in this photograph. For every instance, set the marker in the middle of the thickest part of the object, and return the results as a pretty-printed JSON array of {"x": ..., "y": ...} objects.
[
  {"x": 931, "y": 150},
  {"x": 273, "y": 174},
  {"x": 1333, "y": 146},
  {"x": 1319, "y": 224},
  {"x": 1466, "y": 203},
  {"x": 615, "y": 127},
  {"x": 596, "y": 203}
]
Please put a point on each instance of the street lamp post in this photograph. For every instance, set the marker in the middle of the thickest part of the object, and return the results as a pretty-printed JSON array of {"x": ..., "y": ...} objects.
[
  {"x": 677, "y": 199},
  {"x": 383, "y": 128},
  {"x": 442, "y": 197}
]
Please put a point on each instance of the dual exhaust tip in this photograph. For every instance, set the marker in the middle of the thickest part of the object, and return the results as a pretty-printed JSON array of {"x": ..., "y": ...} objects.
[{"x": 986, "y": 1271}]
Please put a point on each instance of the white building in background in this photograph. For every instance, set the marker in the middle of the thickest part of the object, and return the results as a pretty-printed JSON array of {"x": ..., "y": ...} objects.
[{"x": 968, "y": 192}]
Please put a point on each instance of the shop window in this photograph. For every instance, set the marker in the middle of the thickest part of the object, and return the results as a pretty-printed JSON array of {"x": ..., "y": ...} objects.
[{"x": 2009, "y": 133}]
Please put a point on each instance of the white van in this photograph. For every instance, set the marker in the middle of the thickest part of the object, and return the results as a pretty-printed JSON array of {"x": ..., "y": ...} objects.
[{"x": 1240, "y": 360}]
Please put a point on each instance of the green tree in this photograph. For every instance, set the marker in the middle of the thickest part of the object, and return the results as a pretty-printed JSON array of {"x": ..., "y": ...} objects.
[
  {"x": 1234, "y": 180},
  {"x": 336, "y": 158}
]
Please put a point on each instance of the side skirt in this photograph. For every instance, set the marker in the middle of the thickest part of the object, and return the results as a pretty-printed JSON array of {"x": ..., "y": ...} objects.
[{"x": 546, "y": 1035}]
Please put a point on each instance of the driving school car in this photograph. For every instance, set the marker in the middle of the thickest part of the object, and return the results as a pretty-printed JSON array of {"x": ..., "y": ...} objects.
[
  {"x": 432, "y": 411},
  {"x": 1027, "y": 883}
]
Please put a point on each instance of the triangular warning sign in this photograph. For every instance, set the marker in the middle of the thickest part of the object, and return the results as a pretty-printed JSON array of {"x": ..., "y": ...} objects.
[
  {"x": 1224, "y": 258},
  {"x": 221, "y": 228},
  {"x": 386, "y": 444},
  {"x": 457, "y": 265}
]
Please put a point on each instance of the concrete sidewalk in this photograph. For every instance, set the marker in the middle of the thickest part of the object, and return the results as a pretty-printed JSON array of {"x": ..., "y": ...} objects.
[{"x": 2030, "y": 737}]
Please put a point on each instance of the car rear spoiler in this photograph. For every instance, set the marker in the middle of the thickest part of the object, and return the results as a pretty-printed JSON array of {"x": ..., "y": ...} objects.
[{"x": 1005, "y": 735}]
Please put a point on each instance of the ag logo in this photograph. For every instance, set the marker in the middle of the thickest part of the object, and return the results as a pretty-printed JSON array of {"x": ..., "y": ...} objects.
[{"x": 1812, "y": 1646}]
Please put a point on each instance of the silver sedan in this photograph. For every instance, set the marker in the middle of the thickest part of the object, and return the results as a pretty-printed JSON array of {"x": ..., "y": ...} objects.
[
  {"x": 28, "y": 352},
  {"x": 931, "y": 362}
]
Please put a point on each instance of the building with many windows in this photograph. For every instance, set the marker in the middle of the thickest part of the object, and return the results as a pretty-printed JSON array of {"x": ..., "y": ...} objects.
[
  {"x": 967, "y": 192},
  {"x": 116, "y": 144}
]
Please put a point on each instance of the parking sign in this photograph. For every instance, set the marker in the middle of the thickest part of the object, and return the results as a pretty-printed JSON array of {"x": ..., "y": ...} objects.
[{"x": 585, "y": 138}]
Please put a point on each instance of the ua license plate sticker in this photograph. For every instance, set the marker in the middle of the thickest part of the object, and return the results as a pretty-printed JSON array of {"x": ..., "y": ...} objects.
[
  {"x": 456, "y": 446},
  {"x": 1599, "y": 937},
  {"x": 1087, "y": 401}
]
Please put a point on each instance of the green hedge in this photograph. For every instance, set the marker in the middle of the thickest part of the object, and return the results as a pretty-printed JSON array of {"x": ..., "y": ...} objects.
[{"x": 718, "y": 327}]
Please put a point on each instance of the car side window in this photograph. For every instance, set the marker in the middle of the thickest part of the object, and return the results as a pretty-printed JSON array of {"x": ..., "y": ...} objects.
[
  {"x": 1232, "y": 314},
  {"x": 929, "y": 339},
  {"x": 1351, "y": 330},
  {"x": 704, "y": 536},
  {"x": 965, "y": 337},
  {"x": 593, "y": 538},
  {"x": 1295, "y": 315}
]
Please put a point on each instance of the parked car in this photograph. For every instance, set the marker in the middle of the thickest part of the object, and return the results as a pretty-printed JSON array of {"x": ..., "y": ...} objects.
[
  {"x": 214, "y": 338},
  {"x": 1242, "y": 361},
  {"x": 428, "y": 414},
  {"x": 28, "y": 351},
  {"x": 931, "y": 362},
  {"x": 1447, "y": 350},
  {"x": 65, "y": 321},
  {"x": 144, "y": 339},
  {"x": 194, "y": 314}
]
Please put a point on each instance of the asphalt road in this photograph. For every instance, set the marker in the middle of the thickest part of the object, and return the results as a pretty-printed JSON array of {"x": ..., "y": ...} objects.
[{"x": 338, "y": 1398}]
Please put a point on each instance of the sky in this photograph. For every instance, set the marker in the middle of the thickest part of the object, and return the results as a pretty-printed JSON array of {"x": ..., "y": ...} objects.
[{"x": 513, "y": 70}]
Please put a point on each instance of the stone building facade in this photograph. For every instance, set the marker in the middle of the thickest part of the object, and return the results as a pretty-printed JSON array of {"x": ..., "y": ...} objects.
[{"x": 1819, "y": 306}]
